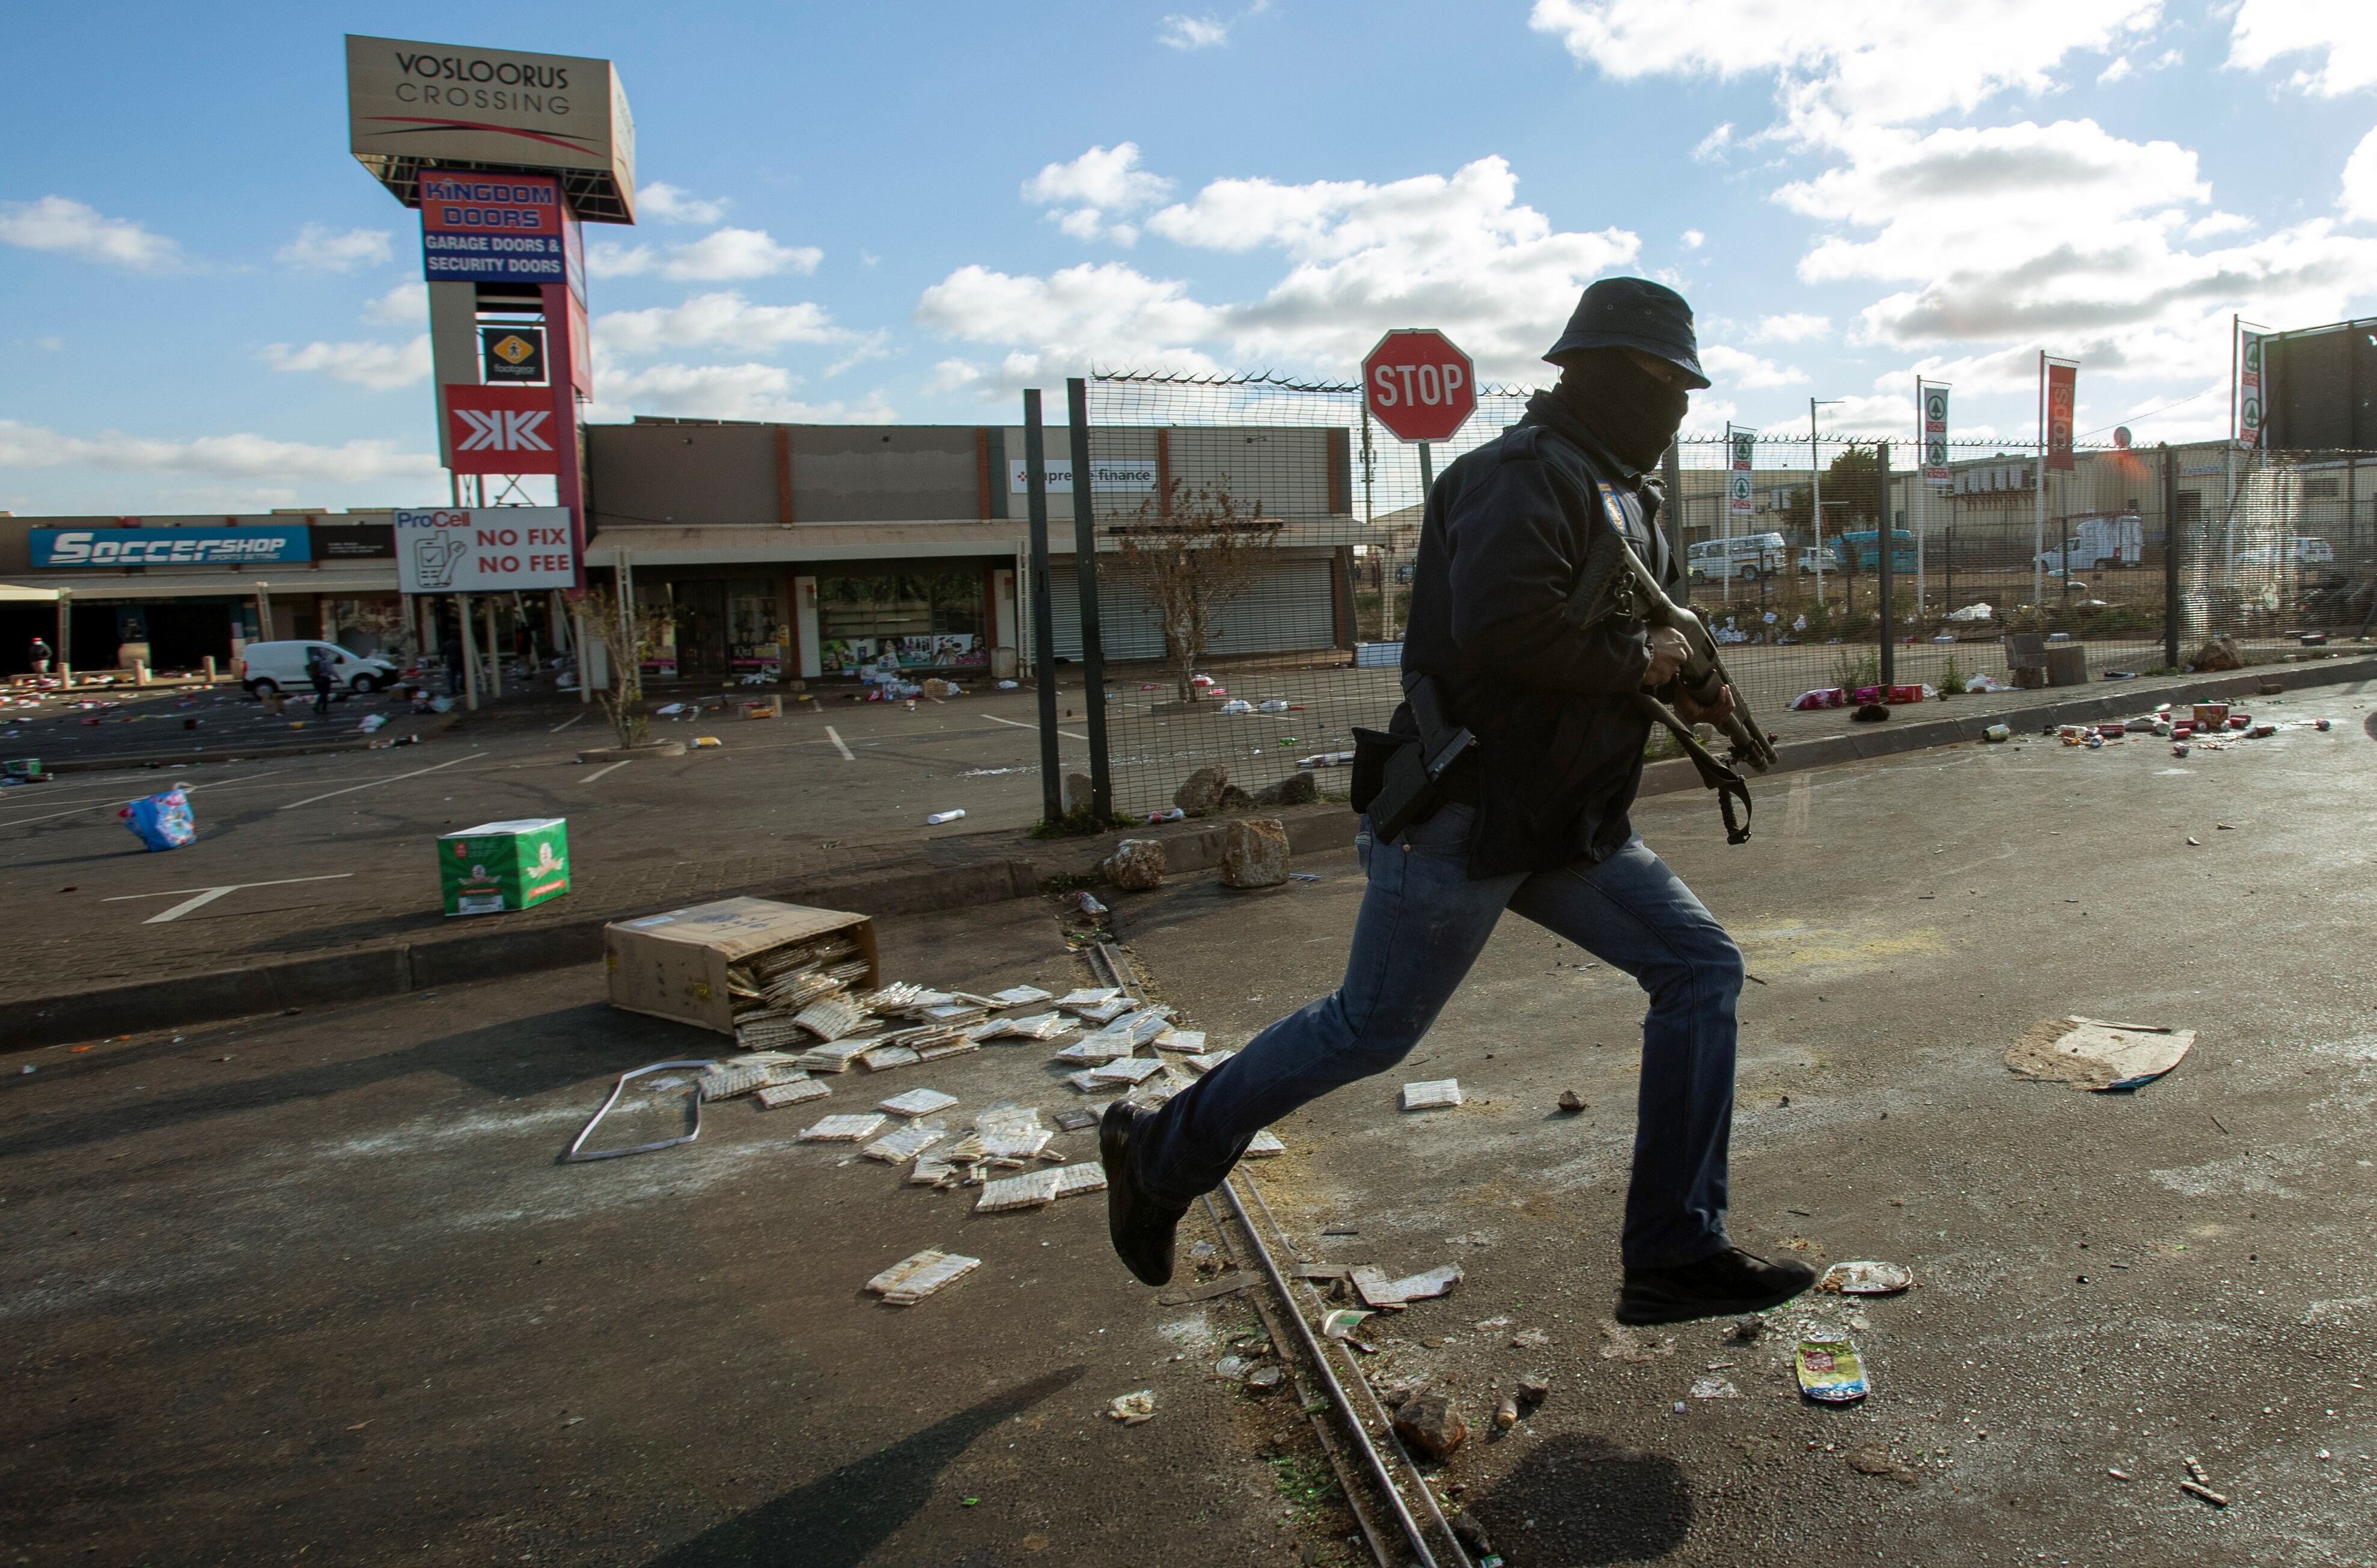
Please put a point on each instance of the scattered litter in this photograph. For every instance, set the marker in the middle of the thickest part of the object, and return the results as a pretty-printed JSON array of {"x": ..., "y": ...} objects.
[
  {"x": 1032, "y": 1190},
  {"x": 1077, "y": 1121},
  {"x": 1204, "y": 1063},
  {"x": 1341, "y": 1321},
  {"x": 1264, "y": 1146},
  {"x": 1187, "y": 1042},
  {"x": 917, "y": 1102},
  {"x": 1506, "y": 1414},
  {"x": 843, "y": 1130},
  {"x": 1376, "y": 1290},
  {"x": 1997, "y": 735},
  {"x": 1131, "y": 1409},
  {"x": 1075, "y": 1001},
  {"x": 1087, "y": 902},
  {"x": 1435, "y": 1095},
  {"x": 1128, "y": 1069},
  {"x": 1866, "y": 1279},
  {"x": 1529, "y": 1340},
  {"x": 1829, "y": 1370},
  {"x": 162, "y": 821},
  {"x": 1620, "y": 1343},
  {"x": 578, "y": 1142},
  {"x": 1086, "y": 1177},
  {"x": 1713, "y": 1387},
  {"x": 705, "y": 742},
  {"x": 899, "y": 1148},
  {"x": 935, "y": 820},
  {"x": 2089, "y": 1053},
  {"x": 773, "y": 1097},
  {"x": 832, "y": 1018},
  {"x": 1041, "y": 1027},
  {"x": 911, "y": 1279},
  {"x": 835, "y": 1057},
  {"x": 1304, "y": 876},
  {"x": 1019, "y": 996},
  {"x": 881, "y": 1058},
  {"x": 724, "y": 1082},
  {"x": 1879, "y": 1462}
]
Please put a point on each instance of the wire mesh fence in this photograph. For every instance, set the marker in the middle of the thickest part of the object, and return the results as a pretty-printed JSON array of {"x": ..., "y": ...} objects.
[{"x": 1257, "y": 536}]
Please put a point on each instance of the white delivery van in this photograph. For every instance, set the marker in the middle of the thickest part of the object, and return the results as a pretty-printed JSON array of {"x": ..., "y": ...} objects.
[
  {"x": 280, "y": 666},
  {"x": 1749, "y": 557}
]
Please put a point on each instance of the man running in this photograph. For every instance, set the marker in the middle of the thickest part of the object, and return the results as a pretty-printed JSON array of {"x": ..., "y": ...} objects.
[{"x": 1533, "y": 819}]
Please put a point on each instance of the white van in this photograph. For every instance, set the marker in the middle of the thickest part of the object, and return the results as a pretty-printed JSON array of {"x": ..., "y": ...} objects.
[
  {"x": 1748, "y": 556},
  {"x": 280, "y": 666}
]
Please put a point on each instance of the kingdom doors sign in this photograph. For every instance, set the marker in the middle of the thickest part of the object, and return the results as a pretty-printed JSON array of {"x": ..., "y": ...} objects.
[
  {"x": 503, "y": 430},
  {"x": 1419, "y": 386}
]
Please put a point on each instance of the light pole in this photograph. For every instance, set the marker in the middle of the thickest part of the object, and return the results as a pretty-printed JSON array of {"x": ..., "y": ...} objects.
[{"x": 1816, "y": 490}]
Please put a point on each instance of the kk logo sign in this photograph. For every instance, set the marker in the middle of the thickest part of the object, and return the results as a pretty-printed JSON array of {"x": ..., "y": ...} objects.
[{"x": 503, "y": 430}]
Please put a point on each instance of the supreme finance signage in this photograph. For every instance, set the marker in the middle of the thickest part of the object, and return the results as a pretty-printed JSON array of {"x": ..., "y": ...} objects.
[
  {"x": 493, "y": 228},
  {"x": 1419, "y": 386},
  {"x": 484, "y": 549},
  {"x": 503, "y": 430}
]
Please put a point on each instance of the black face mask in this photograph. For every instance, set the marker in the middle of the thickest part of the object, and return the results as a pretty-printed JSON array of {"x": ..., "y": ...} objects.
[{"x": 1633, "y": 412}]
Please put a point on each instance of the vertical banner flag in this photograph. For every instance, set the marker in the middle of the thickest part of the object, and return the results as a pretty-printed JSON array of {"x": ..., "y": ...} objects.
[
  {"x": 2060, "y": 390},
  {"x": 2249, "y": 386},
  {"x": 1741, "y": 444},
  {"x": 1934, "y": 399}
]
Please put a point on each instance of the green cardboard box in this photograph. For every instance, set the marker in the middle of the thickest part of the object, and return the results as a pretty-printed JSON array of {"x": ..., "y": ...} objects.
[
  {"x": 22, "y": 767},
  {"x": 500, "y": 866}
]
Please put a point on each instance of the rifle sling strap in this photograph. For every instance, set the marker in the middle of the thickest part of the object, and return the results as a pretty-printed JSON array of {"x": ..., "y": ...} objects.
[{"x": 1728, "y": 784}]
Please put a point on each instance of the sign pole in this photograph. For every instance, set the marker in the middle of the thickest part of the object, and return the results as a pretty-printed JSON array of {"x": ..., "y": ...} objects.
[
  {"x": 1816, "y": 499},
  {"x": 2038, "y": 500},
  {"x": 469, "y": 653},
  {"x": 1085, "y": 561},
  {"x": 1889, "y": 541},
  {"x": 1043, "y": 613},
  {"x": 1921, "y": 500}
]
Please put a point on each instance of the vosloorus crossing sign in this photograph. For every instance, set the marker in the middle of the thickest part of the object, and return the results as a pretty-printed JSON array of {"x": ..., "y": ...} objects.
[{"x": 1419, "y": 386}]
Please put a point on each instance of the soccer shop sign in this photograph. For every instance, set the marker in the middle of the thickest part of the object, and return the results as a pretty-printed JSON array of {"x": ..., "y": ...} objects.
[
  {"x": 484, "y": 549},
  {"x": 493, "y": 429},
  {"x": 1419, "y": 386}
]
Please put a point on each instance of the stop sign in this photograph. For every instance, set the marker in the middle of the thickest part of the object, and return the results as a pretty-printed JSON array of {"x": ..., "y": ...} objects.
[{"x": 1418, "y": 386}]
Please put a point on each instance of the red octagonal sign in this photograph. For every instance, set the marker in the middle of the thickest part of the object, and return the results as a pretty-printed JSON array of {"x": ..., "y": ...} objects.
[{"x": 1418, "y": 386}]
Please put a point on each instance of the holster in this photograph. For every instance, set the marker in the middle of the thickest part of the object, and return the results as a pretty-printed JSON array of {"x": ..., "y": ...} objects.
[{"x": 1399, "y": 780}]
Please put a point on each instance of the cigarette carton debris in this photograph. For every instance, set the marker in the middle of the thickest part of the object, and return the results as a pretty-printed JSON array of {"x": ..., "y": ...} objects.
[
  {"x": 1435, "y": 1095},
  {"x": 500, "y": 866},
  {"x": 1265, "y": 1145},
  {"x": 1020, "y": 995},
  {"x": 1033, "y": 1189},
  {"x": 911, "y": 1279},
  {"x": 775, "y": 1096},
  {"x": 899, "y": 1148},
  {"x": 843, "y": 1129},
  {"x": 1866, "y": 1279},
  {"x": 1086, "y": 1177},
  {"x": 918, "y": 1102}
]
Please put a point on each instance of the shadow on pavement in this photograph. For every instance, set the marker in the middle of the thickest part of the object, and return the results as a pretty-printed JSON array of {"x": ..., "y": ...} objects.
[
  {"x": 838, "y": 1519},
  {"x": 1579, "y": 1500}
]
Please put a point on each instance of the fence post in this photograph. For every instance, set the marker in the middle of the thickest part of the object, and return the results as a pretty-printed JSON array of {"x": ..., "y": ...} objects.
[
  {"x": 1044, "y": 617},
  {"x": 2169, "y": 556},
  {"x": 1671, "y": 472},
  {"x": 1886, "y": 538},
  {"x": 1085, "y": 559}
]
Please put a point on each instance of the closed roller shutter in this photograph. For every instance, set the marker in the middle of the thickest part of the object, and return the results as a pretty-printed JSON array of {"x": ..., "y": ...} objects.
[{"x": 1290, "y": 608}]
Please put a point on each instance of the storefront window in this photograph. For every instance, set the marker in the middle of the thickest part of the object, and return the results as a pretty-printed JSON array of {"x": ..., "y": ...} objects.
[
  {"x": 908, "y": 620},
  {"x": 368, "y": 626}
]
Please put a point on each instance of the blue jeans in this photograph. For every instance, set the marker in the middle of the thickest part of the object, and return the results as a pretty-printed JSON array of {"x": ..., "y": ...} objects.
[{"x": 1424, "y": 921}]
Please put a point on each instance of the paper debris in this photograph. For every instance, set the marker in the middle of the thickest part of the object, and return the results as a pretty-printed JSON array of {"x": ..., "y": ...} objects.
[
  {"x": 1129, "y": 1069},
  {"x": 1040, "y": 1026},
  {"x": 1086, "y": 1177},
  {"x": 1019, "y": 996},
  {"x": 1131, "y": 1409},
  {"x": 1714, "y": 1387},
  {"x": 1829, "y": 1370},
  {"x": 1105, "y": 1012},
  {"x": 1264, "y": 1147},
  {"x": 1142, "y": 1026},
  {"x": 843, "y": 1130},
  {"x": 1188, "y": 1042},
  {"x": 1435, "y": 1095},
  {"x": 774, "y": 1097},
  {"x": 1031, "y": 1189},
  {"x": 1343, "y": 1319},
  {"x": 1376, "y": 1290},
  {"x": 1867, "y": 1278},
  {"x": 883, "y": 1057},
  {"x": 917, "y": 1102},
  {"x": 899, "y": 1148},
  {"x": 911, "y": 1279},
  {"x": 1094, "y": 1050},
  {"x": 2089, "y": 1053}
]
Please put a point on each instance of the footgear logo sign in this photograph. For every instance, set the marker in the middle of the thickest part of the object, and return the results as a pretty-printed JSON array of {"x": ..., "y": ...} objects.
[{"x": 502, "y": 430}]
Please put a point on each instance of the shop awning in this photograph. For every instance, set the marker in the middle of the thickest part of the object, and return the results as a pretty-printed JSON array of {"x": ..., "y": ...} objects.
[
  {"x": 297, "y": 583},
  {"x": 18, "y": 594}
]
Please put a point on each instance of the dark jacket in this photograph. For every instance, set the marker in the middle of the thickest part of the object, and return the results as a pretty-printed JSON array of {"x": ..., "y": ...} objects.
[{"x": 1560, "y": 752}]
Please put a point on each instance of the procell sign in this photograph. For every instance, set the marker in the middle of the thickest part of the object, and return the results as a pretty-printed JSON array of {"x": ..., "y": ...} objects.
[
  {"x": 485, "y": 550},
  {"x": 493, "y": 228},
  {"x": 503, "y": 430},
  {"x": 1419, "y": 386},
  {"x": 1129, "y": 477},
  {"x": 70, "y": 548}
]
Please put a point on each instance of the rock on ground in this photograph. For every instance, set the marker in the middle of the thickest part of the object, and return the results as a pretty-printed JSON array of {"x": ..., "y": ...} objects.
[
  {"x": 2220, "y": 653},
  {"x": 1136, "y": 864},
  {"x": 1296, "y": 789},
  {"x": 1200, "y": 792},
  {"x": 1429, "y": 1423},
  {"x": 1254, "y": 853}
]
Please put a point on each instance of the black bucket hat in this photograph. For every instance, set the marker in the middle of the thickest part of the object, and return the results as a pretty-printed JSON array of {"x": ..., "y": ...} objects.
[{"x": 1633, "y": 313}]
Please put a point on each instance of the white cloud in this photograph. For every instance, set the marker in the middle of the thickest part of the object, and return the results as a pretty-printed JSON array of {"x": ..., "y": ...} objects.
[
  {"x": 240, "y": 456},
  {"x": 2215, "y": 224},
  {"x": 720, "y": 256},
  {"x": 1102, "y": 181},
  {"x": 2118, "y": 71},
  {"x": 1796, "y": 327},
  {"x": 674, "y": 204},
  {"x": 2265, "y": 32},
  {"x": 1192, "y": 32},
  {"x": 379, "y": 366},
  {"x": 2359, "y": 196},
  {"x": 1713, "y": 146},
  {"x": 60, "y": 223},
  {"x": 318, "y": 247},
  {"x": 1459, "y": 251},
  {"x": 1693, "y": 239},
  {"x": 721, "y": 391},
  {"x": 406, "y": 305},
  {"x": 721, "y": 319},
  {"x": 1732, "y": 369}
]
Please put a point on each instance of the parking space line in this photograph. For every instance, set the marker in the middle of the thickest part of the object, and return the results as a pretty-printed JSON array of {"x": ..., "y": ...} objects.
[
  {"x": 377, "y": 782},
  {"x": 839, "y": 745},
  {"x": 612, "y": 769},
  {"x": 119, "y": 800},
  {"x": 565, "y": 724},
  {"x": 1068, "y": 734},
  {"x": 208, "y": 895}
]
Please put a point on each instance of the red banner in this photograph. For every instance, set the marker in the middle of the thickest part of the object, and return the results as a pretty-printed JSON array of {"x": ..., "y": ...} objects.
[
  {"x": 2060, "y": 391},
  {"x": 506, "y": 430}
]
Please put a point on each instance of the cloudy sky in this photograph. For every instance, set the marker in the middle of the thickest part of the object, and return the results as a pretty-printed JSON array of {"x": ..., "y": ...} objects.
[{"x": 910, "y": 212}]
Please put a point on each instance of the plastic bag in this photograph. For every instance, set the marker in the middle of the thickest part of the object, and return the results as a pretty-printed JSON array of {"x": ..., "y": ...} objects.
[{"x": 162, "y": 822}]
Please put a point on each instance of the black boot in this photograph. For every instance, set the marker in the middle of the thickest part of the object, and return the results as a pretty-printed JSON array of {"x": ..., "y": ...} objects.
[
  {"x": 1729, "y": 1284},
  {"x": 1140, "y": 1225}
]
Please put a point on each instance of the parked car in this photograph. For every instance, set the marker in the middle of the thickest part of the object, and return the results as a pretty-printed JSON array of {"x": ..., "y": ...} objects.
[
  {"x": 277, "y": 667},
  {"x": 2300, "y": 550},
  {"x": 1865, "y": 543},
  {"x": 1809, "y": 557},
  {"x": 1749, "y": 557}
]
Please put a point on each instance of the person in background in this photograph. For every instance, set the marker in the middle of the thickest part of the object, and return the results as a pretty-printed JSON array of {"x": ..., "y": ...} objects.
[
  {"x": 39, "y": 653},
  {"x": 450, "y": 649},
  {"x": 317, "y": 668}
]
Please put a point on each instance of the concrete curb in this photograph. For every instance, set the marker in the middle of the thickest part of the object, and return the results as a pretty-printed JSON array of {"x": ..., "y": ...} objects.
[{"x": 479, "y": 954}]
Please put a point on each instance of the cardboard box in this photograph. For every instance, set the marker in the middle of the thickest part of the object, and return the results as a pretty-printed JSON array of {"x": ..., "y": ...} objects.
[
  {"x": 501, "y": 866},
  {"x": 674, "y": 966}
]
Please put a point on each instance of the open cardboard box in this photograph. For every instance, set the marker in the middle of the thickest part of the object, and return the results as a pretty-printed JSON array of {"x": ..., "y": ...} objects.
[{"x": 674, "y": 966}]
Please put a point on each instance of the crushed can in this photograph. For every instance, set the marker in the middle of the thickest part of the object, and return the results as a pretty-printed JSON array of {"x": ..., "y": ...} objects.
[{"x": 504, "y": 866}]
